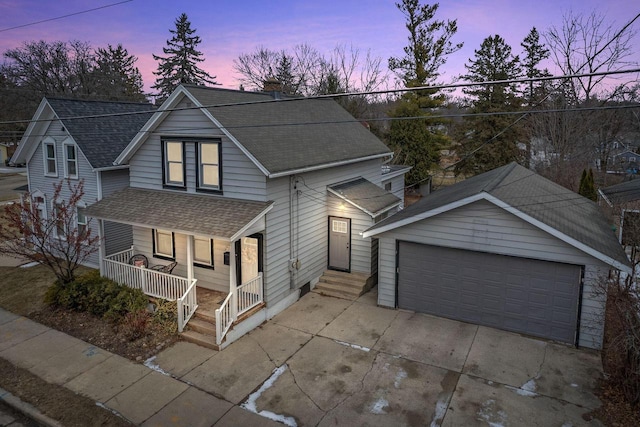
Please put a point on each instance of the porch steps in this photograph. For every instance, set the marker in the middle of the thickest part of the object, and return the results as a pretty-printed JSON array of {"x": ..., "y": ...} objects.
[
  {"x": 343, "y": 285},
  {"x": 201, "y": 329}
]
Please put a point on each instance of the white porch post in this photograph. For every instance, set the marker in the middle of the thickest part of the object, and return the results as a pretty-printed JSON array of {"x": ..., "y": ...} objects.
[
  {"x": 190, "y": 258},
  {"x": 101, "y": 246},
  {"x": 232, "y": 280}
]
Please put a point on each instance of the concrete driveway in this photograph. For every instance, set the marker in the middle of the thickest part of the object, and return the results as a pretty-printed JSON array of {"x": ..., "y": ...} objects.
[{"x": 326, "y": 361}]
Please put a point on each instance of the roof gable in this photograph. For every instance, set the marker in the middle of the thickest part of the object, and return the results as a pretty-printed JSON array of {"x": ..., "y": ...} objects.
[
  {"x": 280, "y": 136},
  {"x": 100, "y": 129},
  {"x": 550, "y": 207}
]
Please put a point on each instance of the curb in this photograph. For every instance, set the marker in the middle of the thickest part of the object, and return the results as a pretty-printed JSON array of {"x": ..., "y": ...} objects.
[{"x": 27, "y": 409}]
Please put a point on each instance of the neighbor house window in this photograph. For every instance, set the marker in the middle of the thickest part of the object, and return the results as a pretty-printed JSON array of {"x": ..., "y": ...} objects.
[
  {"x": 203, "y": 252},
  {"x": 49, "y": 148},
  {"x": 209, "y": 165},
  {"x": 59, "y": 216},
  {"x": 174, "y": 170},
  {"x": 70, "y": 161},
  {"x": 81, "y": 220},
  {"x": 163, "y": 244}
]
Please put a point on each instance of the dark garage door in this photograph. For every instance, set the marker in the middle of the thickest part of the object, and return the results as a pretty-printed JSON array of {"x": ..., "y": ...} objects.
[{"x": 517, "y": 294}]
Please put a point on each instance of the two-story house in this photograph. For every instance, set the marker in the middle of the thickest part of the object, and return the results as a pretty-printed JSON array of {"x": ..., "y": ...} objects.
[
  {"x": 71, "y": 139},
  {"x": 252, "y": 194}
]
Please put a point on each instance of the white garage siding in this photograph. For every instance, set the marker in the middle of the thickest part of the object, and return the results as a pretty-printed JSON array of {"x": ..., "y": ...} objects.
[{"x": 482, "y": 226}]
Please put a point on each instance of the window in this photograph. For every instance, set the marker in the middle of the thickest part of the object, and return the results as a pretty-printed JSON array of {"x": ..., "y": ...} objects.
[
  {"x": 59, "y": 216},
  {"x": 163, "y": 246},
  {"x": 70, "y": 161},
  {"x": 203, "y": 252},
  {"x": 338, "y": 226},
  {"x": 49, "y": 148},
  {"x": 209, "y": 165},
  {"x": 81, "y": 220},
  {"x": 387, "y": 186},
  {"x": 174, "y": 171}
]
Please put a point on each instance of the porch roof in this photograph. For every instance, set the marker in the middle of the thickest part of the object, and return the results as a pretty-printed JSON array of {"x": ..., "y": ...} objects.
[
  {"x": 205, "y": 215},
  {"x": 365, "y": 195}
]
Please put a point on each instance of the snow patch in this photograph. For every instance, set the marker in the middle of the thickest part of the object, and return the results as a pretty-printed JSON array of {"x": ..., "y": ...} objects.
[
  {"x": 527, "y": 389},
  {"x": 149, "y": 364},
  {"x": 494, "y": 419},
  {"x": 357, "y": 347},
  {"x": 567, "y": 424},
  {"x": 402, "y": 374},
  {"x": 574, "y": 385},
  {"x": 29, "y": 264},
  {"x": 378, "y": 406},
  {"x": 441, "y": 410},
  {"x": 250, "y": 404}
]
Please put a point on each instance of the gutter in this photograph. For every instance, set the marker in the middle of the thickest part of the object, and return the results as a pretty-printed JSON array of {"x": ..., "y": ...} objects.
[{"x": 327, "y": 165}]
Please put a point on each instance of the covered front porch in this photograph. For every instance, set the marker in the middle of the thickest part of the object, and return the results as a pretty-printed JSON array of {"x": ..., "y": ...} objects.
[{"x": 189, "y": 243}]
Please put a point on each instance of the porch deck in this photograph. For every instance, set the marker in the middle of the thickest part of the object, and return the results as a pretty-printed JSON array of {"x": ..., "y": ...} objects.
[{"x": 209, "y": 300}]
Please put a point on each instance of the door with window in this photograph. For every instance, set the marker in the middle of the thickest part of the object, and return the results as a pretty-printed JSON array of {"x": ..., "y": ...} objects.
[
  {"x": 339, "y": 243},
  {"x": 248, "y": 258}
]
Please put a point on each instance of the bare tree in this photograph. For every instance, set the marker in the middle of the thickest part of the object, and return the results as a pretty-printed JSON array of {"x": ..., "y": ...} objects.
[{"x": 57, "y": 236}]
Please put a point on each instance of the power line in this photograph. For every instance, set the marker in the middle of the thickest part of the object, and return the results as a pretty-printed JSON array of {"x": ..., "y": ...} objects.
[
  {"x": 331, "y": 96},
  {"x": 64, "y": 16}
]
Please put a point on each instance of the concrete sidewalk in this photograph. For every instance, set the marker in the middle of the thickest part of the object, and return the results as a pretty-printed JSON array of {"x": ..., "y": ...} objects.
[{"x": 139, "y": 393}]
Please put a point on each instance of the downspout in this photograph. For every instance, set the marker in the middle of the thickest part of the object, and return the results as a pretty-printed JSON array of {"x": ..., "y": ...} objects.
[{"x": 292, "y": 283}]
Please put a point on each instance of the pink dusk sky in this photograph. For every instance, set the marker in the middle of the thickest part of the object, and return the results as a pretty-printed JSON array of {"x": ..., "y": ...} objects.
[{"x": 230, "y": 28}]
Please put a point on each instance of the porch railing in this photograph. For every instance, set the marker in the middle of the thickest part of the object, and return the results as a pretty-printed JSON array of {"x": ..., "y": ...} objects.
[
  {"x": 249, "y": 294},
  {"x": 224, "y": 319},
  {"x": 153, "y": 283},
  {"x": 187, "y": 305}
]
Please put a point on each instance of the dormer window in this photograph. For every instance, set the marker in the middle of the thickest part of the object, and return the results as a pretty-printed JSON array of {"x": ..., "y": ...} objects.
[
  {"x": 174, "y": 167},
  {"x": 70, "y": 161},
  {"x": 49, "y": 153},
  {"x": 209, "y": 171}
]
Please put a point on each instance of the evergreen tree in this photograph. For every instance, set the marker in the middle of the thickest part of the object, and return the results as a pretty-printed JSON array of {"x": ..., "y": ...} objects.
[
  {"x": 487, "y": 142},
  {"x": 587, "y": 186},
  {"x": 116, "y": 76},
  {"x": 180, "y": 65},
  {"x": 534, "y": 53},
  {"x": 417, "y": 142}
]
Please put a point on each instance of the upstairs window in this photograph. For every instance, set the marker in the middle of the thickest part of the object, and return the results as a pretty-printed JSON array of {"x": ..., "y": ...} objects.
[
  {"x": 49, "y": 148},
  {"x": 174, "y": 167},
  {"x": 70, "y": 161},
  {"x": 209, "y": 177}
]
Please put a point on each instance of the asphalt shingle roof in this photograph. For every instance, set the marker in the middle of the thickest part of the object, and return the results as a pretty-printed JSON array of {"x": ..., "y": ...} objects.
[
  {"x": 101, "y": 139},
  {"x": 365, "y": 195},
  {"x": 288, "y": 135},
  {"x": 624, "y": 192},
  {"x": 557, "y": 207},
  {"x": 204, "y": 215}
]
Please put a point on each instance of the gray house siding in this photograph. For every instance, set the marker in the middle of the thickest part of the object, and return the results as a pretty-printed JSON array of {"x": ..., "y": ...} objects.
[
  {"x": 310, "y": 221},
  {"x": 240, "y": 177},
  {"x": 482, "y": 226},
  {"x": 215, "y": 279},
  {"x": 118, "y": 237},
  {"x": 397, "y": 186},
  {"x": 39, "y": 182}
]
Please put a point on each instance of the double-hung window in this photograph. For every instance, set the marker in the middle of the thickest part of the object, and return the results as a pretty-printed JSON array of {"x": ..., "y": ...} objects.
[
  {"x": 59, "y": 217},
  {"x": 49, "y": 152},
  {"x": 81, "y": 219},
  {"x": 174, "y": 166},
  {"x": 209, "y": 171},
  {"x": 163, "y": 244},
  {"x": 203, "y": 252},
  {"x": 70, "y": 161}
]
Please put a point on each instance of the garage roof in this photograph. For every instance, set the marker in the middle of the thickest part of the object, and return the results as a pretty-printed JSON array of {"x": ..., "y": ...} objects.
[
  {"x": 566, "y": 215},
  {"x": 624, "y": 192}
]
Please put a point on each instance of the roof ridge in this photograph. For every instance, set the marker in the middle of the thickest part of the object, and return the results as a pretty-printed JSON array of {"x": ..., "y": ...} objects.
[
  {"x": 102, "y": 101},
  {"x": 501, "y": 174}
]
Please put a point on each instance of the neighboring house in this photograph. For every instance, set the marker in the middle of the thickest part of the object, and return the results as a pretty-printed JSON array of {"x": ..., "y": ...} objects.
[
  {"x": 251, "y": 194},
  {"x": 506, "y": 249},
  {"x": 79, "y": 140},
  {"x": 626, "y": 161},
  {"x": 622, "y": 202}
]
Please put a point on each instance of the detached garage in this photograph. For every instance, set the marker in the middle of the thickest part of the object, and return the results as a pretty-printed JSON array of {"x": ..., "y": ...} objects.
[{"x": 506, "y": 249}]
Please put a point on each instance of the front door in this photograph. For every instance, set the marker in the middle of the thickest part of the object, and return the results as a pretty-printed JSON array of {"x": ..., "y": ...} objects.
[
  {"x": 339, "y": 243},
  {"x": 249, "y": 258}
]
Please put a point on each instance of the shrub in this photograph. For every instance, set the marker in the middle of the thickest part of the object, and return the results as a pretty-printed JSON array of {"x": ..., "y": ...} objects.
[
  {"x": 134, "y": 324},
  {"x": 166, "y": 315}
]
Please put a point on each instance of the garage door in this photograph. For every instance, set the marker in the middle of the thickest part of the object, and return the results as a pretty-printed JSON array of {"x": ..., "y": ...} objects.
[{"x": 517, "y": 294}]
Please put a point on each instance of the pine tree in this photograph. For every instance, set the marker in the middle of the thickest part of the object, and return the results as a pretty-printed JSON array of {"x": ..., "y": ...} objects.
[
  {"x": 587, "y": 187},
  {"x": 180, "y": 63},
  {"x": 488, "y": 142},
  {"x": 534, "y": 53},
  {"x": 417, "y": 142},
  {"x": 115, "y": 75}
]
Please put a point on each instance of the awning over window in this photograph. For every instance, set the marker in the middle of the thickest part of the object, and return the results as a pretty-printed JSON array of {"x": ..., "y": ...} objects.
[
  {"x": 197, "y": 214},
  {"x": 365, "y": 195}
]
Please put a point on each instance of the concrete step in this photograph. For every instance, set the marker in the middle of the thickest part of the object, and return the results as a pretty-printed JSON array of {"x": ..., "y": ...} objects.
[
  {"x": 353, "y": 275},
  {"x": 206, "y": 315},
  {"x": 204, "y": 340},
  {"x": 347, "y": 282},
  {"x": 202, "y": 326},
  {"x": 335, "y": 294},
  {"x": 338, "y": 287}
]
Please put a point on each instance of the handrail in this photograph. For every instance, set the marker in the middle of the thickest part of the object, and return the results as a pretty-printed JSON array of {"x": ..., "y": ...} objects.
[
  {"x": 187, "y": 305},
  {"x": 224, "y": 319},
  {"x": 249, "y": 294}
]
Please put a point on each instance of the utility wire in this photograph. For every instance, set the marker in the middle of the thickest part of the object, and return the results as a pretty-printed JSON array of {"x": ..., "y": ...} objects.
[{"x": 64, "y": 16}]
